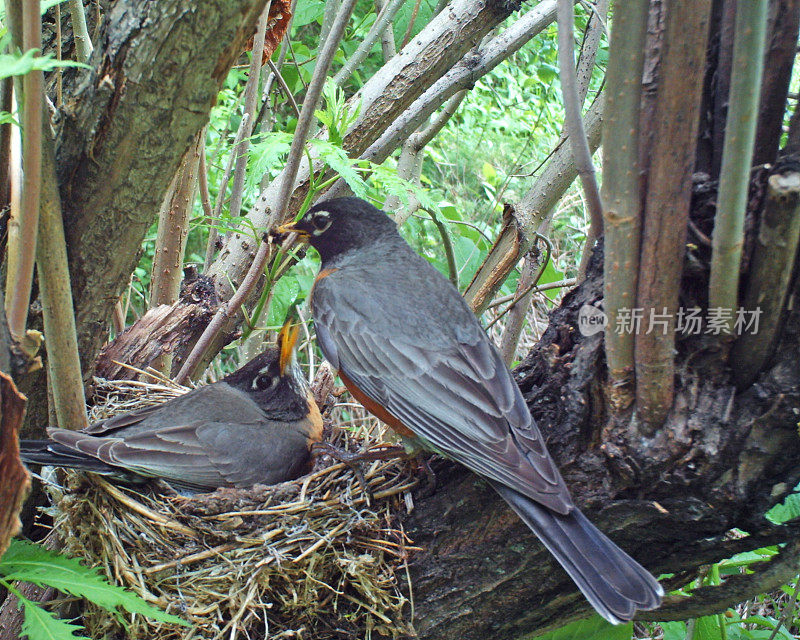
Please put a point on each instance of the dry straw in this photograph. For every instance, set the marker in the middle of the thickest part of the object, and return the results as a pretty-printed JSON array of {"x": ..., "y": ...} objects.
[{"x": 314, "y": 558}]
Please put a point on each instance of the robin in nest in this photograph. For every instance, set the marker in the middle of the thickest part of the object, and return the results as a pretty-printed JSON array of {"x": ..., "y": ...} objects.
[
  {"x": 255, "y": 426},
  {"x": 409, "y": 348}
]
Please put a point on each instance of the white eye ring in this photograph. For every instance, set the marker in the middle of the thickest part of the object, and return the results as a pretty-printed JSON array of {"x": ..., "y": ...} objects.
[
  {"x": 263, "y": 376},
  {"x": 321, "y": 221}
]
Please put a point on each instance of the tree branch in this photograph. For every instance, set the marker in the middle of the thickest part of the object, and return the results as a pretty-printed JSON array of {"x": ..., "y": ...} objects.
[
  {"x": 770, "y": 273},
  {"x": 574, "y": 120},
  {"x": 734, "y": 180},
  {"x": 118, "y": 150},
  {"x": 231, "y": 308},
  {"x": 667, "y": 205},
  {"x": 20, "y": 276},
  {"x": 83, "y": 43},
  {"x": 621, "y": 192}
]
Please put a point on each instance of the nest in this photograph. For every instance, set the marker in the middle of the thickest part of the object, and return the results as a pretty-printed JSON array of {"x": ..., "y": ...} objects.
[{"x": 318, "y": 557}]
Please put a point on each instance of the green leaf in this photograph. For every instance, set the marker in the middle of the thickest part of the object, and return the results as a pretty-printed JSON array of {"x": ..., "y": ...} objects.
[
  {"x": 338, "y": 160},
  {"x": 674, "y": 630},
  {"x": 489, "y": 173},
  {"x": 789, "y": 510},
  {"x": 13, "y": 64},
  {"x": 33, "y": 563},
  {"x": 594, "y": 628},
  {"x": 39, "y": 624},
  {"x": 308, "y": 11},
  {"x": 284, "y": 295}
]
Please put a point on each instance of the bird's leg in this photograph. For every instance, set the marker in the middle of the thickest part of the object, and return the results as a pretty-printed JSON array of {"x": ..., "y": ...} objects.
[
  {"x": 387, "y": 452},
  {"x": 352, "y": 459}
]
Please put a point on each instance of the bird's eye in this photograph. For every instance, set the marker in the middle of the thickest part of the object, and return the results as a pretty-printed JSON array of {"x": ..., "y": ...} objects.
[
  {"x": 265, "y": 381},
  {"x": 321, "y": 221}
]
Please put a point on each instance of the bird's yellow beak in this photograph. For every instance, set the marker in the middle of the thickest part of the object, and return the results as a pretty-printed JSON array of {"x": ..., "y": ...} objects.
[
  {"x": 290, "y": 227},
  {"x": 287, "y": 338}
]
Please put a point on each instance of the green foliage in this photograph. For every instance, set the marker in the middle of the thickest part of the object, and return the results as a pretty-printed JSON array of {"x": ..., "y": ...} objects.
[
  {"x": 594, "y": 628},
  {"x": 33, "y": 563},
  {"x": 14, "y": 64}
]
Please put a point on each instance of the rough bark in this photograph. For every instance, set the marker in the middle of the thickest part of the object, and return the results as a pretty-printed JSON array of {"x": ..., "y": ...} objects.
[
  {"x": 125, "y": 126},
  {"x": 721, "y": 461}
]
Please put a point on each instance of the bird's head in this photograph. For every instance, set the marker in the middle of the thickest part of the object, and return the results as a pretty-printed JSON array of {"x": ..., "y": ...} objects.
[
  {"x": 274, "y": 378},
  {"x": 339, "y": 225}
]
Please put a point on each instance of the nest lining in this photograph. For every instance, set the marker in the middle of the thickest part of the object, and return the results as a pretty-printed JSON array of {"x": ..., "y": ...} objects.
[{"x": 313, "y": 558}]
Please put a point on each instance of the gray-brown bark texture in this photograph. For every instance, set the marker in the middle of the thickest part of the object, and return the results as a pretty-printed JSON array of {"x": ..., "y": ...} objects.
[
  {"x": 721, "y": 460},
  {"x": 157, "y": 69}
]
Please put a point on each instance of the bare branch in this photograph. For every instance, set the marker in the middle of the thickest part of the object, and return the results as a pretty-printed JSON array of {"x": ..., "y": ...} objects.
[
  {"x": 63, "y": 360},
  {"x": 20, "y": 287},
  {"x": 250, "y": 102},
  {"x": 231, "y": 308},
  {"x": 770, "y": 272},
  {"x": 382, "y": 23},
  {"x": 574, "y": 120},
  {"x": 667, "y": 205},
  {"x": 83, "y": 44},
  {"x": 621, "y": 191}
]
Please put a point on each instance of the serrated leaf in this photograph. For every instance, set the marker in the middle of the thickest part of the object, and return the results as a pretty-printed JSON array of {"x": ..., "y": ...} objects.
[
  {"x": 39, "y": 624},
  {"x": 338, "y": 160},
  {"x": 594, "y": 628},
  {"x": 33, "y": 563}
]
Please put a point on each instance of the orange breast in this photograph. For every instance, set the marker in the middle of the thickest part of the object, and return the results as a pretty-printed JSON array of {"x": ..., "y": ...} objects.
[{"x": 376, "y": 409}]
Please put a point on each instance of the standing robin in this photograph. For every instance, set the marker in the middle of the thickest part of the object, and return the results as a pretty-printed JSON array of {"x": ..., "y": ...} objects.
[
  {"x": 411, "y": 351},
  {"x": 255, "y": 426}
]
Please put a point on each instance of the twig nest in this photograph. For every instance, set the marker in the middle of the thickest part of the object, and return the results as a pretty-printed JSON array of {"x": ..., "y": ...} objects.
[{"x": 311, "y": 558}]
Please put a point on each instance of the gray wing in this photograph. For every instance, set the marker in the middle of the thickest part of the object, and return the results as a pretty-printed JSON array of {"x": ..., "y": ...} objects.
[
  {"x": 212, "y": 402},
  {"x": 201, "y": 455},
  {"x": 456, "y": 394}
]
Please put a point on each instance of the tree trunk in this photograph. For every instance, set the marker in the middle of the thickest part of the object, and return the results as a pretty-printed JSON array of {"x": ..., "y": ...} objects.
[{"x": 126, "y": 126}]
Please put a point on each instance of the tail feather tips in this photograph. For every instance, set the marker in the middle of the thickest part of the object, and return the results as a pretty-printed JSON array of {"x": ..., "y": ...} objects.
[{"x": 613, "y": 582}]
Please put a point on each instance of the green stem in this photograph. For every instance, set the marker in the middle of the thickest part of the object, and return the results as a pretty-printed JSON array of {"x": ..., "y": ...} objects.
[{"x": 740, "y": 131}]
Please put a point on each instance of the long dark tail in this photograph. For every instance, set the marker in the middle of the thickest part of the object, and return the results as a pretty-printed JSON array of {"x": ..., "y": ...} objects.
[
  {"x": 613, "y": 582},
  {"x": 47, "y": 452}
]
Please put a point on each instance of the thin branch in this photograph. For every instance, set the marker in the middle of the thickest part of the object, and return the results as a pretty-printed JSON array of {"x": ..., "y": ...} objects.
[
  {"x": 276, "y": 73},
  {"x": 740, "y": 131},
  {"x": 63, "y": 359},
  {"x": 532, "y": 270},
  {"x": 411, "y": 21},
  {"x": 388, "y": 46},
  {"x": 780, "y": 51},
  {"x": 448, "y": 247},
  {"x": 83, "y": 44},
  {"x": 59, "y": 71},
  {"x": 32, "y": 82},
  {"x": 770, "y": 273},
  {"x": 621, "y": 193},
  {"x": 213, "y": 232},
  {"x": 6, "y": 94},
  {"x": 250, "y": 101},
  {"x": 409, "y": 165},
  {"x": 461, "y": 76},
  {"x": 674, "y": 142},
  {"x": 382, "y": 23},
  {"x": 573, "y": 118},
  {"x": 231, "y": 308},
  {"x": 530, "y": 212},
  {"x": 202, "y": 181}
]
